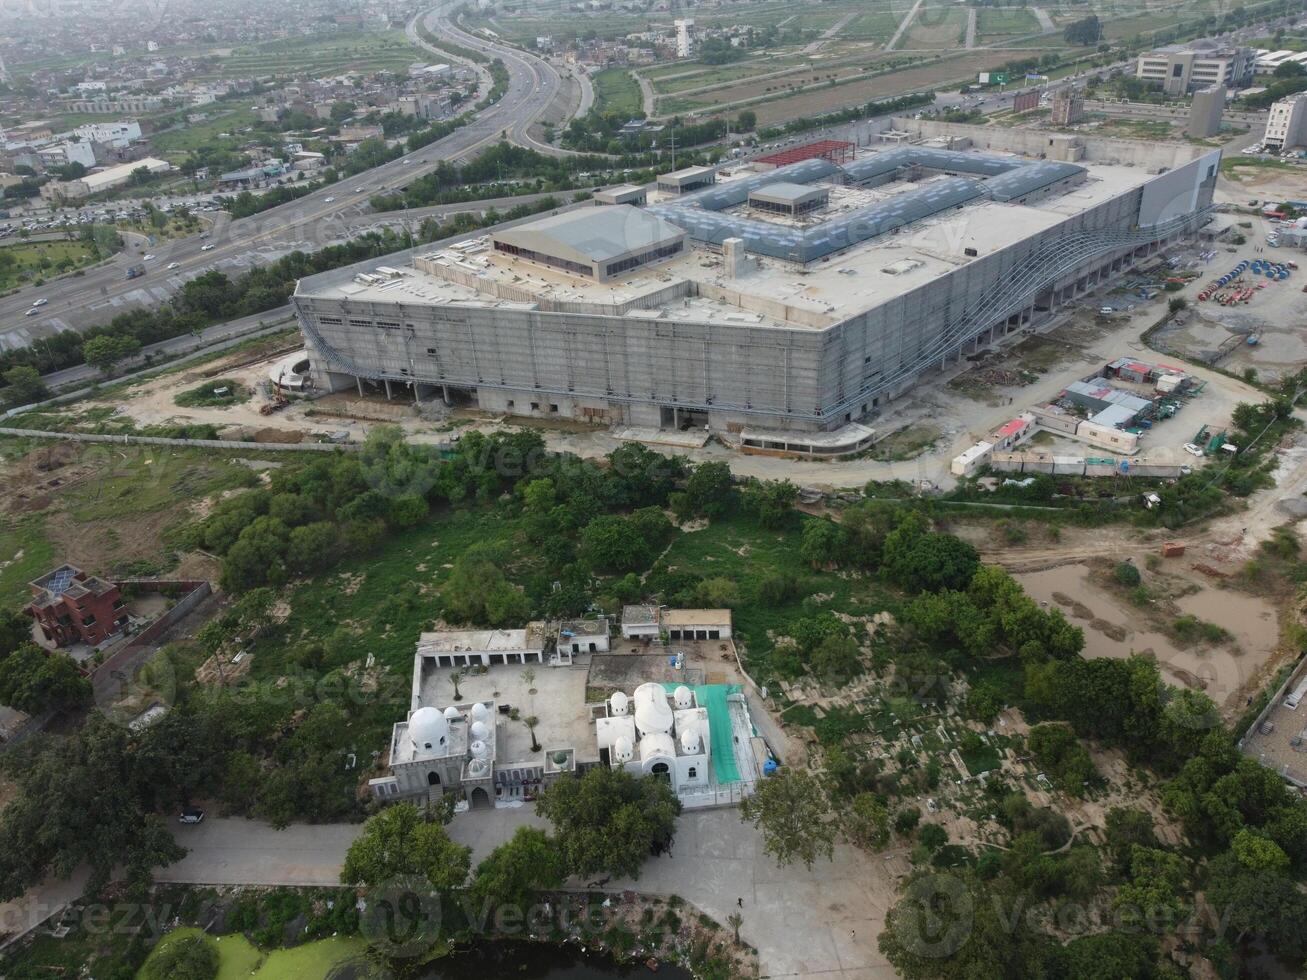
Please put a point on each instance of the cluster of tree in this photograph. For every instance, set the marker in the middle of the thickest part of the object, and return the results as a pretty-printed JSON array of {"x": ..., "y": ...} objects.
[
  {"x": 505, "y": 170},
  {"x": 605, "y": 822},
  {"x": 1059, "y": 754},
  {"x": 1088, "y": 30},
  {"x": 851, "y": 114},
  {"x": 599, "y": 132},
  {"x": 36, "y": 680},
  {"x": 1277, "y": 90}
]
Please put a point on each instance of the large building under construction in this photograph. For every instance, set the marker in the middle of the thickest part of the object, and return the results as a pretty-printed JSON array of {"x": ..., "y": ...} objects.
[{"x": 780, "y": 307}]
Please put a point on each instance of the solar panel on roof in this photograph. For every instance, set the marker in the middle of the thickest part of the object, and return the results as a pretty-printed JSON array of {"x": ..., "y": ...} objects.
[{"x": 61, "y": 580}]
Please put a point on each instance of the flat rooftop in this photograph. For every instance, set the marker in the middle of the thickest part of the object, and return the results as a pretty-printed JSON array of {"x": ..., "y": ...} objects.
[
  {"x": 558, "y": 701},
  {"x": 823, "y": 293}
]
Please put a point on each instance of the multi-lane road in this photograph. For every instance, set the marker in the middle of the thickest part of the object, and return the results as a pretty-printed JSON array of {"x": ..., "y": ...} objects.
[{"x": 327, "y": 215}]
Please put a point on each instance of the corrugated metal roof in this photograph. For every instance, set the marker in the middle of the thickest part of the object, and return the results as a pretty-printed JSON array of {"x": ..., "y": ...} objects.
[{"x": 1007, "y": 179}]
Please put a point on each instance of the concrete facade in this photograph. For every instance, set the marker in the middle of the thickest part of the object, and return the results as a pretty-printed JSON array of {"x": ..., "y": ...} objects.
[
  {"x": 673, "y": 346},
  {"x": 1205, "y": 112},
  {"x": 1286, "y": 124},
  {"x": 1179, "y": 69}
]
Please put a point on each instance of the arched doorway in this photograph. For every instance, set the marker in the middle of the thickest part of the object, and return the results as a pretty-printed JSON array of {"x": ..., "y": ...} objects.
[
  {"x": 480, "y": 799},
  {"x": 433, "y": 778},
  {"x": 660, "y": 769}
]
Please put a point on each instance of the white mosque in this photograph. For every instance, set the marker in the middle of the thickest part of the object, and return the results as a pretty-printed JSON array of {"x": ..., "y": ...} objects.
[{"x": 653, "y": 735}]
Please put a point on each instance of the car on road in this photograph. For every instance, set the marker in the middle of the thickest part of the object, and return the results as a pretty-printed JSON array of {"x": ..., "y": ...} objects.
[
  {"x": 40, "y": 302},
  {"x": 146, "y": 257},
  {"x": 174, "y": 265},
  {"x": 33, "y": 311},
  {"x": 1192, "y": 450},
  {"x": 327, "y": 200},
  {"x": 359, "y": 190},
  {"x": 191, "y": 814},
  {"x": 205, "y": 248}
]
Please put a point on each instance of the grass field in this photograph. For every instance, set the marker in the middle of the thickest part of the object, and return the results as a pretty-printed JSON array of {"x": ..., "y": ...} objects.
[
  {"x": 740, "y": 550},
  {"x": 113, "y": 510},
  {"x": 994, "y": 22},
  {"x": 175, "y": 145},
  {"x": 328, "y": 54},
  {"x": 874, "y": 25},
  {"x": 616, "y": 90},
  {"x": 936, "y": 28},
  {"x": 23, "y": 262}
]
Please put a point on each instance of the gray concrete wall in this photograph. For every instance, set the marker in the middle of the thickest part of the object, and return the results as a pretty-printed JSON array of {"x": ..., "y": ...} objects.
[{"x": 1041, "y": 143}]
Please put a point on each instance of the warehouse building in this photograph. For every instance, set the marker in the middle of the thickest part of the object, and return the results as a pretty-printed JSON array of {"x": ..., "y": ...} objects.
[{"x": 705, "y": 311}]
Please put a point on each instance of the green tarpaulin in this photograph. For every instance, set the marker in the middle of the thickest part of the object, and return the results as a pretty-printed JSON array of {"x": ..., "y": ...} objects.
[{"x": 713, "y": 697}]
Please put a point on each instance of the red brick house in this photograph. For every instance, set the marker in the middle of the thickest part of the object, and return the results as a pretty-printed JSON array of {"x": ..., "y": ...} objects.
[{"x": 73, "y": 607}]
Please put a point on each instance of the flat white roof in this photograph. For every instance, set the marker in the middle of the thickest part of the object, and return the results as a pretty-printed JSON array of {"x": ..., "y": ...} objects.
[
  {"x": 824, "y": 293},
  {"x": 474, "y": 641}
]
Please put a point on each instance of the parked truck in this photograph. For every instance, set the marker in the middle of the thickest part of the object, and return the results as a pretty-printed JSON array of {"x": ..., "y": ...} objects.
[{"x": 133, "y": 271}]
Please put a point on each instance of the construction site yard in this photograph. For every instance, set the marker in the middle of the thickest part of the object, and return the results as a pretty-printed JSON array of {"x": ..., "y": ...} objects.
[{"x": 918, "y": 436}]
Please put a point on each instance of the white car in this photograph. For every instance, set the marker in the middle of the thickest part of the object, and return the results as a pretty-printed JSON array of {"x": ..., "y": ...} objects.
[
  {"x": 359, "y": 190},
  {"x": 327, "y": 200},
  {"x": 205, "y": 248},
  {"x": 32, "y": 312},
  {"x": 39, "y": 302},
  {"x": 146, "y": 257},
  {"x": 174, "y": 265},
  {"x": 1192, "y": 450}
]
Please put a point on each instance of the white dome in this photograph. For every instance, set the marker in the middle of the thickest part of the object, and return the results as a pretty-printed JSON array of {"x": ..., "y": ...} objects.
[
  {"x": 428, "y": 729},
  {"x": 690, "y": 741},
  {"x": 684, "y": 699},
  {"x": 623, "y": 751},
  {"x": 478, "y": 767},
  {"x": 479, "y": 731},
  {"x": 479, "y": 750},
  {"x": 657, "y": 746},
  {"x": 452, "y": 714},
  {"x": 617, "y": 703},
  {"x": 480, "y": 712},
  {"x": 653, "y": 715}
]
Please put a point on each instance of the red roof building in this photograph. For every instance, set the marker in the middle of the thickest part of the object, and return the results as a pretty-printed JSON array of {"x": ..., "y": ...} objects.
[
  {"x": 73, "y": 607},
  {"x": 836, "y": 151}
]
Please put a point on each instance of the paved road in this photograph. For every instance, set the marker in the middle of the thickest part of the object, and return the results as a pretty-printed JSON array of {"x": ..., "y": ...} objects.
[
  {"x": 307, "y": 223},
  {"x": 805, "y": 924}
]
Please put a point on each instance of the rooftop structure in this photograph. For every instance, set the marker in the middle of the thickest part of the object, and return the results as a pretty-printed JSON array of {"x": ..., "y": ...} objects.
[
  {"x": 689, "y": 179},
  {"x": 786, "y": 198},
  {"x": 598, "y": 244},
  {"x": 704, "y": 310},
  {"x": 478, "y": 748},
  {"x": 623, "y": 194},
  {"x": 834, "y": 151},
  {"x": 70, "y": 606}
]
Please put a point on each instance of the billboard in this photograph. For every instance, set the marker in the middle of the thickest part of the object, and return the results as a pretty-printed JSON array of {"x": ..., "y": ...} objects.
[{"x": 992, "y": 78}]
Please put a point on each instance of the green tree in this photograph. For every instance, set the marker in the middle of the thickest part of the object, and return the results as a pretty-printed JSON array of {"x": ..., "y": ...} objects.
[
  {"x": 793, "y": 813},
  {"x": 187, "y": 957},
  {"x": 1127, "y": 828},
  {"x": 23, "y": 385},
  {"x": 1252, "y": 904},
  {"x": 401, "y": 843},
  {"x": 104, "y": 351},
  {"x": 1155, "y": 884},
  {"x": 822, "y": 543},
  {"x": 709, "y": 489},
  {"x": 1259, "y": 853},
  {"x": 608, "y": 820},
  {"x": 34, "y": 681},
  {"x": 514, "y": 871},
  {"x": 867, "y": 822},
  {"x": 718, "y": 593},
  {"x": 612, "y": 543}
]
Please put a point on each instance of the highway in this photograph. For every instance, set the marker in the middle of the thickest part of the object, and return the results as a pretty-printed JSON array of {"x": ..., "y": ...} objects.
[{"x": 327, "y": 215}]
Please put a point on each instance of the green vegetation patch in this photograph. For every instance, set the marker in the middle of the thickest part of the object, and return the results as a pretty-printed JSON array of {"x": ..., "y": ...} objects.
[
  {"x": 220, "y": 393},
  {"x": 616, "y": 90}
]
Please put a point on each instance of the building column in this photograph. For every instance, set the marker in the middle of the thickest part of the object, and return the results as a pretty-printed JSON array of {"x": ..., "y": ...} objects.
[
  {"x": 387, "y": 381},
  {"x": 359, "y": 381}
]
